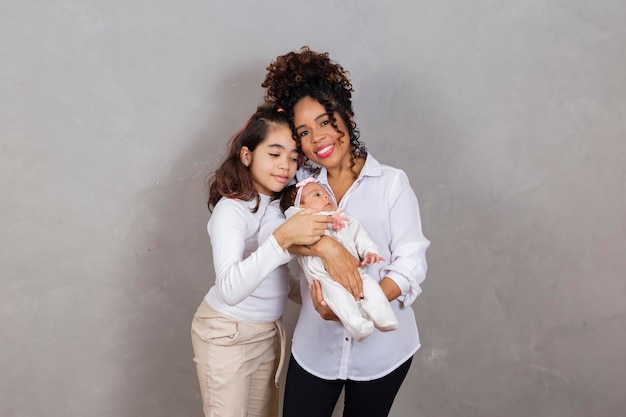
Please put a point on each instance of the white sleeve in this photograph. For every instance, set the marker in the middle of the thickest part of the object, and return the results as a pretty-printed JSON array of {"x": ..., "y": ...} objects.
[
  {"x": 237, "y": 278},
  {"x": 271, "y": 220},
  {"x": 407, "y": 266}
]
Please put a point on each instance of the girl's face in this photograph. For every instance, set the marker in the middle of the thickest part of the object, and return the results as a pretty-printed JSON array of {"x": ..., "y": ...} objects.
[
  {"x": 319, "y": 140},
  {"x": 315, "y": 196},
  {"x": 274, "y": 161}
]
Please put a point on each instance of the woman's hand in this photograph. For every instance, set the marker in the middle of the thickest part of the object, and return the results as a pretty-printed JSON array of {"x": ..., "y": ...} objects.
[
  {"x": 341, "y": 265},
  {"x": 318, "y": 302},
  {"x": 303, "y": 228}
]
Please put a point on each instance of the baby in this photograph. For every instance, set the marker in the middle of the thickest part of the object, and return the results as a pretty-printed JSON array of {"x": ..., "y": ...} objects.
[{"x": 359, "y": 317}]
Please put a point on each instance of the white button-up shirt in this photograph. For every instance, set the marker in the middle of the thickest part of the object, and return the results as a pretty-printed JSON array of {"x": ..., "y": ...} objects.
[{"x": 386, "y": 206}]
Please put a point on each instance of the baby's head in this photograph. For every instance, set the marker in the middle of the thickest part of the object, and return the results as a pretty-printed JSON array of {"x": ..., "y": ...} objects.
[
  {"x": 315, "y": 196},
  {"x": 308, "y": 193}
]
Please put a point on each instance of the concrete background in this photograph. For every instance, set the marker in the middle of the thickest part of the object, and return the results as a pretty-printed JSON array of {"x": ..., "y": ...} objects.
[{"x": 509, "y": 118}]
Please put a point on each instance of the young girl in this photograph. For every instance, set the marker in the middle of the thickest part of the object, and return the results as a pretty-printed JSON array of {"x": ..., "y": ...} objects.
[
  {"x": 359, "y": 317},
  {"x": 236, "y": 333}
]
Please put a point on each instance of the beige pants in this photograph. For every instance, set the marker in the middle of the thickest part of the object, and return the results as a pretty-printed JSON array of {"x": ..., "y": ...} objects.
[{"x": 238, "y": 364}]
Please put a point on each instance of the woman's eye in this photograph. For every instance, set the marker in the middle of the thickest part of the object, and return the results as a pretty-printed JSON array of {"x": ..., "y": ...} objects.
[
  {"x": 325, "y": 122},
  {"x": 303, "y": 133},
  {"x": 275, "y": 155}
]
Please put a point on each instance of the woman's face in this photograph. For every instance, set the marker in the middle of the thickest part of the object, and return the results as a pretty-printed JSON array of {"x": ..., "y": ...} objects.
[
  {"x": 319, "y": 140},
  {"x": 274, "y": 161}
]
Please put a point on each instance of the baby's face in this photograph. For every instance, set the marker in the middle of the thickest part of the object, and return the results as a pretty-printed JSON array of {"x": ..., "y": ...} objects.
[{"x": 315, "y": 196}]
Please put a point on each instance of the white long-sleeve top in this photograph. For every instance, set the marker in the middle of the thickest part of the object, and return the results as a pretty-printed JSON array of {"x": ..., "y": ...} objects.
[
  {"x": 251, "y": 280},
  {"x": 386, "y": 206}
]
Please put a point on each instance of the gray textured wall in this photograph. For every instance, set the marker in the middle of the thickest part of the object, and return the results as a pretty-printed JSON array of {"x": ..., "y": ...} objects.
[{"x": 509, "y": 118}]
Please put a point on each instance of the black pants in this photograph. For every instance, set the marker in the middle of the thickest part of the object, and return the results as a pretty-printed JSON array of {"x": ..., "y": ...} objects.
[{"x": 309, "y": 396}]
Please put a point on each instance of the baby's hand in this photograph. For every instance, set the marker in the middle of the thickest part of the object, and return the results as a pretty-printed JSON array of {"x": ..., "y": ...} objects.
[
  {"x": 371, "y": 258},
  {"x": 338, "y": 220}
]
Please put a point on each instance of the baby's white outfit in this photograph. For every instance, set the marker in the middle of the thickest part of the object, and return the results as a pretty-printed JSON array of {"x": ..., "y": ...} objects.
[{"x": 373, "y": 311}]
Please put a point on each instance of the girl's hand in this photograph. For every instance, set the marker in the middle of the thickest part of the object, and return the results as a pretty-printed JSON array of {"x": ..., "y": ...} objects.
[
  {"x": 371, "y": 258},
  {"x": 303, "y": 228},
  {"x": 341, "y": 266},
  {"x": 318, "y": 302}
]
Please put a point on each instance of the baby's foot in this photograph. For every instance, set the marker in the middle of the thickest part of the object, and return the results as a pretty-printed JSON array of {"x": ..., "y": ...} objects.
[
  {"x": 359, "y": 328},
  {"x": 386, "y": 325},
  {"x": 382, "y": 315}
]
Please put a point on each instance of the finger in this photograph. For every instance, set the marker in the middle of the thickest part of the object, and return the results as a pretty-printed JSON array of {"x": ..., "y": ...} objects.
[
  {"x": 318, "y": 301},
  {"x": 315, "y": 293},
  {"x": 318, "y": 293},
  {"x": 313, "y": 296},
  {"x": 352, "y": 287},
  {"x": 360, "y": 283},
  {"x": 359, "y": 286}
]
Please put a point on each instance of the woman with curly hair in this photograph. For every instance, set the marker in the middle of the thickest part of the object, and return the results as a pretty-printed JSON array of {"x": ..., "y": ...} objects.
[{"x": 316, "y": 94}]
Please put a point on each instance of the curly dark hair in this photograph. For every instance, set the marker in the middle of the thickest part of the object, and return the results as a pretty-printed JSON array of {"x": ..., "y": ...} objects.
[{"x": 306, "y": 73}]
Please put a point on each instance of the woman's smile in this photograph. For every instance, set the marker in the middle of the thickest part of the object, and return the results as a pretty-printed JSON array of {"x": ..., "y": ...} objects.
[{"x": 325, "y": 151}]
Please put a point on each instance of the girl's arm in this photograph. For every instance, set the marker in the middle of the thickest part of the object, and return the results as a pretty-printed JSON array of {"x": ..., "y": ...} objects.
[{"x": 237, "y": 277}]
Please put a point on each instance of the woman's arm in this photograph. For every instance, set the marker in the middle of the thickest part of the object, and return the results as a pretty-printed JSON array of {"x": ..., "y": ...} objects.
[
  {"x": 407, "y": 264},
  {"x": 340, "y": 264},
  {"x": 390, "y": 288}
]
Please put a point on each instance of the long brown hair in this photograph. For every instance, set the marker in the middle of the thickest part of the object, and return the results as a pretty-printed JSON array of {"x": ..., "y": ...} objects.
[{"x": 233, "y": 179}]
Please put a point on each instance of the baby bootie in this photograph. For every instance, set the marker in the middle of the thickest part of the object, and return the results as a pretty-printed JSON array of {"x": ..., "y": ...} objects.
[
  {"x": 382, "y": 315},
  {"x": 359, "y": 327}
]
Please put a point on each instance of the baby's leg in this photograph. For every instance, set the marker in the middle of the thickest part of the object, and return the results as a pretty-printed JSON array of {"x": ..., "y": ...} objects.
[
  {"x": 375, "y": 305},
  {"x": 346, "y": 309}
]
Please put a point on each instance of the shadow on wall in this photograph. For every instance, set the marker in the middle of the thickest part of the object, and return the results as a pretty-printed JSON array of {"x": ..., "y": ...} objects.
[{"x": 175, "y": 268}]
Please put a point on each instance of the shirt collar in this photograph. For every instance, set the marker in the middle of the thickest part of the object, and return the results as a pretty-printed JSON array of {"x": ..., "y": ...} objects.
[{"x": 371, "y": 168}]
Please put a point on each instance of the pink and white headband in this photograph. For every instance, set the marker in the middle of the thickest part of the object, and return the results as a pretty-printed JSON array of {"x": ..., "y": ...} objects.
[{"x": 300, "y": 186}]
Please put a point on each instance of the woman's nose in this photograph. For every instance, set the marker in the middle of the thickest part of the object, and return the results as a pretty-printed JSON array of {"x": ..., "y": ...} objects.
[{"x": 318, "y": 134}]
